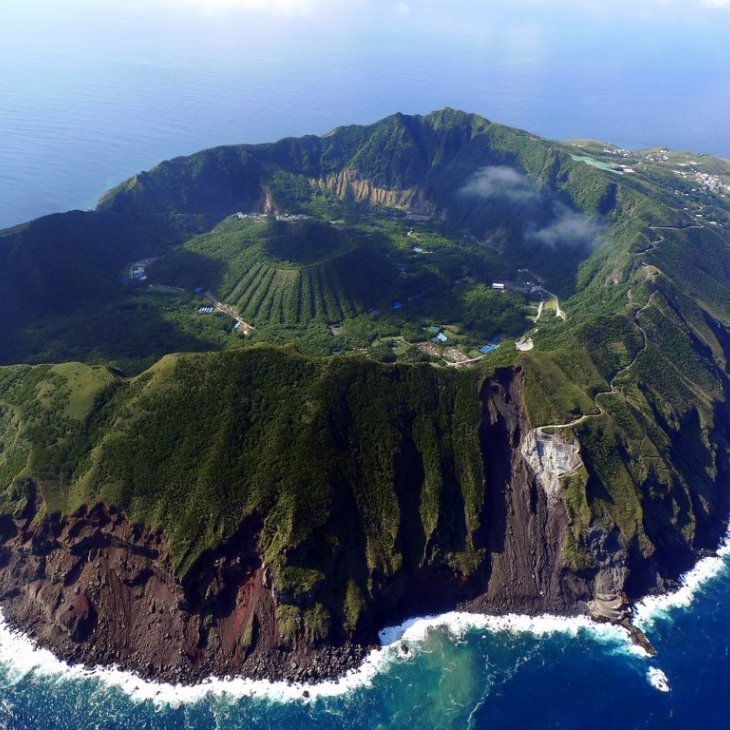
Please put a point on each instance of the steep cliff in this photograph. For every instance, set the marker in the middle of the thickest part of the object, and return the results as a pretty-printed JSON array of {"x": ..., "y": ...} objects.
[
  {"x": 254, "y": 509},
  {"x": 99, "y": 588}
]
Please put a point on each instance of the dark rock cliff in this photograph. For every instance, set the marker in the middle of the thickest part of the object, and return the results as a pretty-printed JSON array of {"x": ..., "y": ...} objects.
[{"x": 97, "y": 589}]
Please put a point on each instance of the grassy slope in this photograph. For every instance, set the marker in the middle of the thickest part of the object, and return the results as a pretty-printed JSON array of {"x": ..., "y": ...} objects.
[
  {"x": 650, "y": 323},
  {"x": 59, "y": 273},
  {"x": 349, "y": 463},
  {"x": 285, "y": 273},
  {"x": 318, "y": 448}
]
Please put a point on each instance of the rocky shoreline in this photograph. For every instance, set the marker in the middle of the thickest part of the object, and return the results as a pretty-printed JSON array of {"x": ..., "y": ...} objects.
[
  {"x": 98, "y": 591},
  {"x": 55, "y": 610}
]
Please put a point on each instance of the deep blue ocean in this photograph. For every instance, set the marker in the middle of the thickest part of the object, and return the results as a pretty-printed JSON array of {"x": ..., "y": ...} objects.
[{"x": 92, "y": 92}]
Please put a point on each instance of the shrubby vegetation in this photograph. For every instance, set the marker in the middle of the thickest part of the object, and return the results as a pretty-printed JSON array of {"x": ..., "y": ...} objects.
[
  {"x": 359, "y": 469},
  {"x": 349, "y": 463}
]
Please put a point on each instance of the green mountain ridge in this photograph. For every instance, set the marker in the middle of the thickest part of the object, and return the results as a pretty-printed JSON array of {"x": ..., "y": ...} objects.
[{"x": 382, "y": 488}]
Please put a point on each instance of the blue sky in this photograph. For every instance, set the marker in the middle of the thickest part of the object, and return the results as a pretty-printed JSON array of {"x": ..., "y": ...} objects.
[{"x": 522, "y": 27}]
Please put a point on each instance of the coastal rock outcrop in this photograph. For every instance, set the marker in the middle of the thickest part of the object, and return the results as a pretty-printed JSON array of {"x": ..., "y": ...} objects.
[{"x": 95, "y": 588}]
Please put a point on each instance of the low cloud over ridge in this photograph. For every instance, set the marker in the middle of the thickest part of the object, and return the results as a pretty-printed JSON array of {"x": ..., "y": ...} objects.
[
  {"x": 569, "y": 229},
  {"x": 500, "y": 181}
]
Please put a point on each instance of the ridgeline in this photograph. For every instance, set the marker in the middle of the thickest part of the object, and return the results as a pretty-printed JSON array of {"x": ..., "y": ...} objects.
[{"x": 372, "y": 444}]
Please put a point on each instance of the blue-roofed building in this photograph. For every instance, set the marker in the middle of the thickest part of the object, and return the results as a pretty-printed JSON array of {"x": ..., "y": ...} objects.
[
  {"x": 440, "y": 337},
  {"x": 138, "y": 273},
  {"x": 487, "y": 349},
  {"x": 395, "y": 306}
]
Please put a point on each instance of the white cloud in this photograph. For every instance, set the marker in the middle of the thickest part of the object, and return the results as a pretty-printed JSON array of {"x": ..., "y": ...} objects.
[
  {"x": 500, "y": 181},
  {"x": 470, "y": 8},
  {"x": 269, "y": 7},
  {"x": 568, "y": 229},
  {"x": 469, "y": 17},
  {"x": 601, "y": 8}
]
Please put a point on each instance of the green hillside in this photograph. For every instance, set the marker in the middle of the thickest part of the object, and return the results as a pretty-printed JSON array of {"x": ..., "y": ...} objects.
[
  {"x": 63, "y": 266},
  {"x": 261, "y": 431},
  {"x": 313, "y": 344},
  {"x": 285, "y": 272}
]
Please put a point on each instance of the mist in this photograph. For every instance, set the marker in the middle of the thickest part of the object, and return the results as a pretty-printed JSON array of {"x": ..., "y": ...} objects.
[
  {"x": 565, "y": 228},
  {"x": 501, "y": 182},
  {"x": 569, "y": 229}
]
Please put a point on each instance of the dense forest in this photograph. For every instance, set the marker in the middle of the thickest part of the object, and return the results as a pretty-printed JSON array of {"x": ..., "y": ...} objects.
[{"x": 351, "y": 338}]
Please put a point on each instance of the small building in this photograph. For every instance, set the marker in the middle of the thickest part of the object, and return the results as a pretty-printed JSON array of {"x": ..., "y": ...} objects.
[
  {"x": 498, "y": 285},
  {"x": 138, "y": 273},
  {"x": 487, "y": 349},
  {"x": 440, "y": 337},
  {"x": 395, "y": 306}
]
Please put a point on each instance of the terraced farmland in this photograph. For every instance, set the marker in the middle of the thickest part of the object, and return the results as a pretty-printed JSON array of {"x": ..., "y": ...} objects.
[
  {"x": 285, "y": 273},
  {"x": 330, "y": 290}
]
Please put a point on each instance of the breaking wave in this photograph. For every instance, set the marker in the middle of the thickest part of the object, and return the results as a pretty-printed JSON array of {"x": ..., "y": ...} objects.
[
  {"x": 399, "y": 644},
  {"x": 657, "y": 679},
  {"x": 650, "y": 608}
]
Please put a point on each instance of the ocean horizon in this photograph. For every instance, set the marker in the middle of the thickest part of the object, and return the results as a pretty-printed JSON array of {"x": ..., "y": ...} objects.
[{"x": 91, "y": 95}]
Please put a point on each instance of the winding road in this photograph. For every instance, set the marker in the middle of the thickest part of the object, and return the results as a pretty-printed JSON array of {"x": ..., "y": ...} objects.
[{"x": 612, "y": 383}]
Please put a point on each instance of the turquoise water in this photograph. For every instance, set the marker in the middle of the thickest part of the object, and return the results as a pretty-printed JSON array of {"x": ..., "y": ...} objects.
[
  {"x": 461, "y": 672},
  {"x": 596, "y": 163}
]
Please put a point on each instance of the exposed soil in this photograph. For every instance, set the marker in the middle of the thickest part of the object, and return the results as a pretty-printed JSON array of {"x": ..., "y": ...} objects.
[
  {"x": 95, "y": 589},
  {"x": 524, "y": 530}
]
